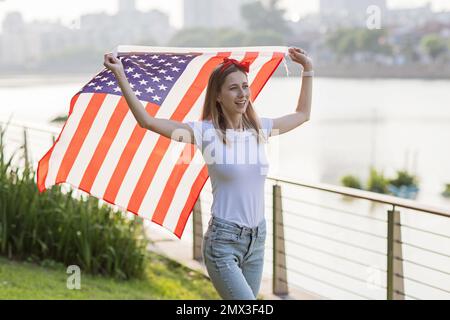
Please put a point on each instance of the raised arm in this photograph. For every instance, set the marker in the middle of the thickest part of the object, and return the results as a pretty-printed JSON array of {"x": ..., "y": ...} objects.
[
  {"x": 302, "y": 113},
  {"x": 169, "y": 128}
]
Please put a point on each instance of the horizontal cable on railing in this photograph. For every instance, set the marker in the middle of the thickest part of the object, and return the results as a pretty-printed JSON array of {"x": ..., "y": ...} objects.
[
  {"x": 334, "y": 224},
  {"x": 331, "y": 239},
  {"x": 334, "y": 209},
  {"x": 31, "y": 127},
  {"x": 322, "y": 281},
  {"x": 421, "y": 265},
  {"x": 14, "y": 140},
  {"x": 422, "y": 283},
  {"x": 406, "y": 295},
  {"x": 422, "y": 248},
  {"x": 324, "y": 252},
  {"x": 329, "y": 269},
  {"x": 367, "y": 195},
  {"x": 423, "y": 230},
  {"x": 330, "y": 254}
]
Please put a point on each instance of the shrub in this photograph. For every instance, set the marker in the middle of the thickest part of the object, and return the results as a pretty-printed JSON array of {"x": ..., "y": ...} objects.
[
  {"x": 377, "y": 182},
  {"x": 53, "y": 225},
  {"x": 351, "y": 182},
  {"x": 404, "y": 179},
  {"x": 446, "y": 192}
]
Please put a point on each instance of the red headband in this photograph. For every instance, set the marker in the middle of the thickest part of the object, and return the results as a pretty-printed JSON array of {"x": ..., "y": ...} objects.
[{"x": 244, "y": 65}]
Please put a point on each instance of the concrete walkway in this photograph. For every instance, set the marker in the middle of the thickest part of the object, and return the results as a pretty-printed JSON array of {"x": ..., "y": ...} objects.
[{"x": 167, "y": 244}]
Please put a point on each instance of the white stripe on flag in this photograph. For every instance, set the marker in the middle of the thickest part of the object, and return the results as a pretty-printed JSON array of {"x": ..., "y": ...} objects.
[
  {"x": 150, "y": 138},
  {"x": 164, "y": 170},
  {"x": 92, "y": 139},
  {"x": 266, "y": 50},
  {"x": 112, "y": 157},
  {"x": 182, "y": 192},
  {"x": 195, "y": 166},
  {"x": 124, "y": 134},
  {"x": 66, "y": 137},
  {"x": 256, "y": 66},
  {"x": 167, "y": 163}
]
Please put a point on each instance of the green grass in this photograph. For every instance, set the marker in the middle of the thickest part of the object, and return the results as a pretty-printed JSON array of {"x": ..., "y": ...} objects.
[{"x": 164, "y": 279}]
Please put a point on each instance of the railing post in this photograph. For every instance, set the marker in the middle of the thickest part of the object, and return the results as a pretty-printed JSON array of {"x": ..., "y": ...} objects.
[
  {"x": 395, "y": 283},
  {"x": 197, "y": 231},
  {"x": 280, "y": 284}
]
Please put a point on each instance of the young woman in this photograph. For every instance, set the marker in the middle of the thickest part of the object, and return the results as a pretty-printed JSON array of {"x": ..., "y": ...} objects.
[{"x": 233, "y": 245}]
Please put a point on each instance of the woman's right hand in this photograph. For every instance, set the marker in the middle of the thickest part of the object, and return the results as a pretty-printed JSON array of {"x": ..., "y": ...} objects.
[{"x": 113, "y": 64}]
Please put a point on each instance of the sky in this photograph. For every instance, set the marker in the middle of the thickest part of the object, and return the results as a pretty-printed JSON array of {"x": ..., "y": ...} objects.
[{"x": 67, "y": 11}]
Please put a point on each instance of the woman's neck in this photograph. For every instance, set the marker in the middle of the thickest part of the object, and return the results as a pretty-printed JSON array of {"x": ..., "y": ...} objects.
[{"x": 236, "y": 124}]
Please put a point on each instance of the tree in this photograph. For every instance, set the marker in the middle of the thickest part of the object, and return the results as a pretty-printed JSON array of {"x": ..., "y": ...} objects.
[
  {"x": 264, "y": 38},
  {"x": 345, "y": 42},
  {"x": 259, "y": 17},
  {"x": 230, "y": 38},
  {"x": 433, "y": 45},
  {"x": 202, "y": 37},
  {"x": 193, "y": 37}
]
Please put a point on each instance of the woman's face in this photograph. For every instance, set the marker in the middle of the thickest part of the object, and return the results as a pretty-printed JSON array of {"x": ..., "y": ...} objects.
[{"x": 235, "y": 93}]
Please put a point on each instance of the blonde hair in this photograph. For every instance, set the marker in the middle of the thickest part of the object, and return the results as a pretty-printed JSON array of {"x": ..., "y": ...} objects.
[{"x": 212, "y": 110}]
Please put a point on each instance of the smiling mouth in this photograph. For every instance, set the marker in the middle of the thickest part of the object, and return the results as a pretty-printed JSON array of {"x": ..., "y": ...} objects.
[{"x": 241, "y": 104}]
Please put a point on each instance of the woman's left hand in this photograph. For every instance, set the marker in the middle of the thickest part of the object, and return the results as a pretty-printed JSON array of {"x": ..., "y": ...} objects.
[{"x": 301, "y": 56}]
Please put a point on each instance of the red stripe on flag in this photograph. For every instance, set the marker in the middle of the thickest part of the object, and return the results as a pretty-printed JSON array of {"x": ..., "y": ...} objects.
[
  {"x": 192, "y": 199},
  {"x": 127, "y": 156},
  {"x": 192, "y": 94},
  {"x": 169, "y": 190},
  {"x": 103, "y": 146},
  {"x": 172, "y": 183},
  {"x": 265, "y": 73},
  {"x": 250, "y": 57},
  {"x": 78, "y": 138},
  {"x": 42, "y": 169}
]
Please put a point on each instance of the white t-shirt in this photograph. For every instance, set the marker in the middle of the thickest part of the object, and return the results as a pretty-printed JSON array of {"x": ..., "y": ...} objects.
[{"x": 237, "y": 171}]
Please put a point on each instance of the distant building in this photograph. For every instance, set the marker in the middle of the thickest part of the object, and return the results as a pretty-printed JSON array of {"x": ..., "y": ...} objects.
[
  {"x": 25, "y": 45},
  {"x": 127, "y": 6},
  {"x": 348, "y": 13},
  {"x": 411, "y": 17},
  {"x": 214, "y": 13},
  {"x": 348, "y": 7},
  {"x": 19, "y": 44},
  {"x": 128, "y": 26}
]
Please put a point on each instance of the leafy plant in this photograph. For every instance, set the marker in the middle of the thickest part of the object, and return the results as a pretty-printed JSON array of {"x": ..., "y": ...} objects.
[
  {"x": 404, "y": 179},
  {"x": 351, "y": 181},
  {"x": 377, "y": 182},
  {"x": 446, "y": 192},
  {"x": 54, "y": 225}
]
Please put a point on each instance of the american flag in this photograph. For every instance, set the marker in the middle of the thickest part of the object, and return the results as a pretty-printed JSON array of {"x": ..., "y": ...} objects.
[{"x": 103, "y": 151}]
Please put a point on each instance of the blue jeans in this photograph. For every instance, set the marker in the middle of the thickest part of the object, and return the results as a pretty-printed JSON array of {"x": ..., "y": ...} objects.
[{"x": 234, "y": 258}]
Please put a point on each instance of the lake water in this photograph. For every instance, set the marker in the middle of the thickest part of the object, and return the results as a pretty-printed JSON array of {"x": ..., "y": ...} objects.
[{"x": 391, "y": 124}]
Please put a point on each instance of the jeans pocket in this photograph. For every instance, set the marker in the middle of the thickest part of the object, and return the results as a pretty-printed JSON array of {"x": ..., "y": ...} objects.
[
  {"x": 225, "y": 236},
  {"x": 223, "y": 243},
  {"x": 262, "y": 236}
]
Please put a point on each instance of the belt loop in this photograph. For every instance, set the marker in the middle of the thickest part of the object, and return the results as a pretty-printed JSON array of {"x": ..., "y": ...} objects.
[{"x": 242, "y": 231}]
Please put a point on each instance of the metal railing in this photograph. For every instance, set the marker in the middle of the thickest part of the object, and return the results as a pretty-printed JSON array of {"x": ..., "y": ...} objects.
[
  {"x": 284, "y": 248},
  {"x": 394, "y": 259}
]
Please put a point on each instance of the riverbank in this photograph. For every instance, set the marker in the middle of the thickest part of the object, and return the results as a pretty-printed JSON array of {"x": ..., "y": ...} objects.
[
  {"x": 371, "y": 71},
  {"x": 346, "y": 71}
]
